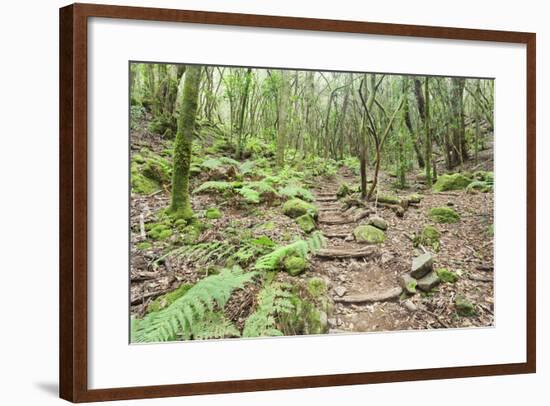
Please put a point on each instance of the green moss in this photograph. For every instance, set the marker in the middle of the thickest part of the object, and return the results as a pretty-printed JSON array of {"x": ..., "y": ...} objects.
[
  {"x": 414, "y": 198},
  {"x": 317, "y": 287},
  {"x": 446, "y": 276},
  {"x": 479, "y": 186},
  {"x": 389, "y": 199},
  {"x": 429, "y": 238},
  {"x": 166, "y": 300},
  {"x": 306, "y": 223},
  {"x": 464, "y": 307},
  {"x": 213, "y": 213},
  {"x": 294, "y": 265},
  {"x": 455, "y": 181},
  {"x": 163, "y": 124},
  {"x": 160, "y": 232},
  {"x": 269, "y": 226},
  {"x": 444, "y": 215},
  {"x": 370, "y": 234},
  {"x": 145, "y": 245},
  {"x": 484, "y": 176},
  {"x": 297, "y": 207}
]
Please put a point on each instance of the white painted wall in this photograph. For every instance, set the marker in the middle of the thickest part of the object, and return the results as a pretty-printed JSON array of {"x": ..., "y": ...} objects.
[{"x": 28, "y": 203}]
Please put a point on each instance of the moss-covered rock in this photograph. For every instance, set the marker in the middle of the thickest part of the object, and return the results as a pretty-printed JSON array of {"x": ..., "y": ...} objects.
[
  {"x": 454, "y": 181},
  {"x": 479, "y": 186},
  {"x": 464, "y": 307},
  {"x": 306, "y": 223},
  {"x": 166, "y": 300},
  {"x": 369, "y": 234},
  {"x": 213, "y": 213},
  {"x": 149, "y": 171},
  {"x": 446, "y": 276},
  {"x": 443, "y": 215},
  {"x": 484, "y": 176},
  {"x": 294, "y": 265},
  {"x": 163, "y": 125},
  {"x": 389, "y": 199},
  {"x": 408, "y": 283},
  {"x": 379, "y": 223},
  {"x": 160, "y": 232},
  {"x": 297, "y": 207}
]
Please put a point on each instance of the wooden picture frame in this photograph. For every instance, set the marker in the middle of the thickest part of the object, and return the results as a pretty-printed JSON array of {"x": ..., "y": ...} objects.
[{"x": 73, "y": 200}]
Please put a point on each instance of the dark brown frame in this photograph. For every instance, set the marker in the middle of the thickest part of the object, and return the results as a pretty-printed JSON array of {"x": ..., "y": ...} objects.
[{"x": 73, "y": 201}]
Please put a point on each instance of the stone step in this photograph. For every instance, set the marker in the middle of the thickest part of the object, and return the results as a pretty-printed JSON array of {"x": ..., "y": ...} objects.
[{"x": 344, "y": 252}]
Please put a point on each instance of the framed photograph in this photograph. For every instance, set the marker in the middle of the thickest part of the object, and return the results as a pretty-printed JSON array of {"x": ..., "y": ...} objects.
[{"x": 255, "y": 203}]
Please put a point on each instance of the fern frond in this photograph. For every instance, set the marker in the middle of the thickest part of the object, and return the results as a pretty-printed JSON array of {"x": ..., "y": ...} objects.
[
  {"x": 302, "y": 248},
  {"x": 182, "y": 316},
  {"x": 273, "y": 301},
  {"x": 250, "y": 195},
  {"x": 293, "y": 191}
]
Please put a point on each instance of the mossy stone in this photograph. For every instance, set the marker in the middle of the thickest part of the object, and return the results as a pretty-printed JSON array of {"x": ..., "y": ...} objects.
[
  {"x": 213, "y": 213},
  {"x": 306, "y": 223},
  {"x": 294, "y": 265},
  {"x": 446, "y": 276},
  {"x": 444, "y": 215},
  {"x": 479, "y": 186},
  {"x": 297, "y": 207},
  {"x": 454, "y": 181},
  {"x": 369, "y": 234},
  {"x": 429, "y": 237},
  {"x": 160, "y": 232},
  {"x": 389, "y": 199},
  {"x": 464, "y": 307}
]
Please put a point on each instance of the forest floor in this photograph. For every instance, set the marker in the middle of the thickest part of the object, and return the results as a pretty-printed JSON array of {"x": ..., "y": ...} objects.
[{"x": 372, "y": 273}]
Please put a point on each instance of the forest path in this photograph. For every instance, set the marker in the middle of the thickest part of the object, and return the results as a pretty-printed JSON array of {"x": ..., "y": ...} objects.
[{"x": 361, "y": 287}]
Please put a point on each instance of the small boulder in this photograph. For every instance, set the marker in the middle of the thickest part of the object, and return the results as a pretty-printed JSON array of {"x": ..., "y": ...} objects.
[
  {"x": 369, "y": 234},
  {"x": 306, "y": 223},
  {"x": 410, "y": 306},
  {"x": 294, "y": 265},
  {"x": 421, "y": 265},
  {"x": 454, "y": 181},
  {"x": 340, "y": 291},
  {"x": 297, "y": 207},
  {"x": 444, "y": 215},
  {"x": 428, "y": 282},
  {"x": 213, "y": 213},
  {"x": 408, "y": 283},
  {"x": 378, "y": 222}
]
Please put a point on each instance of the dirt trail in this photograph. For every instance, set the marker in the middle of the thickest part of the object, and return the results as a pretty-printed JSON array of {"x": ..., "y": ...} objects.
[{"x": 364, "y": 284}]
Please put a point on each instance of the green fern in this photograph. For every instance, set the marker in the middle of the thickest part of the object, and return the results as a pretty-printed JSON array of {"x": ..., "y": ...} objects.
[
  {"x": 293, "y": 191},
  {"x": 302, "y": 248},
  {"x": 213, "y": 325},
  {"x": 250, "y": 195},
  {"x": 273, "y": 301},
  {"x": 207, "y": 252},
  {"x": 214, "y": 186},
  {"x": 183, "y": 317}
]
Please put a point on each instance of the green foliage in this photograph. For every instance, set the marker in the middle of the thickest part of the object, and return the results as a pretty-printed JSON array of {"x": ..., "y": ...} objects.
[
  {"x": 166, "y": 300},
  {"x": 149, "y": 171},
  {"x": 464, "y": 307},
  {"x": 145, "y": 245},
  {"x": 443, "y": 215},
  {"x": 343, "y": 190},
  {"x": 160, "y": 232},
  {"x": 428, "y": 238},
  {"x": 317, "y": 287},
  {"x": 214, "y": 186},
  {"x": 301, "y": 248},
  {"x": 479, "y": 186},
  {"x": 163, "y": 125},
  {"x": 193, "y": 309},
  {"x": 294, "y": 265},
  {"x": 446, "y": 276},
  {"x": 273, "y": 301},
  {"x": 455, "y": 181},
  {"x": 213, "y": 213},
  {"x": 292, "y": 191}
]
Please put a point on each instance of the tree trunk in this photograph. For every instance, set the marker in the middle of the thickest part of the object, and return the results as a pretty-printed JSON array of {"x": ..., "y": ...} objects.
[
  {"x": 282, "y": 127},
  {"x": 181, "y": 206},
  {"x": 428, "y": 141}
]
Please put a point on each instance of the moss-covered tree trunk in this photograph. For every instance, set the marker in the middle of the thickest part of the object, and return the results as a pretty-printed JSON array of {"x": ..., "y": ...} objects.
[
  {"x": 283, "y": 106},
  {"x": 180, "y": 206},
  {"x": 428, "y": 142}
]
